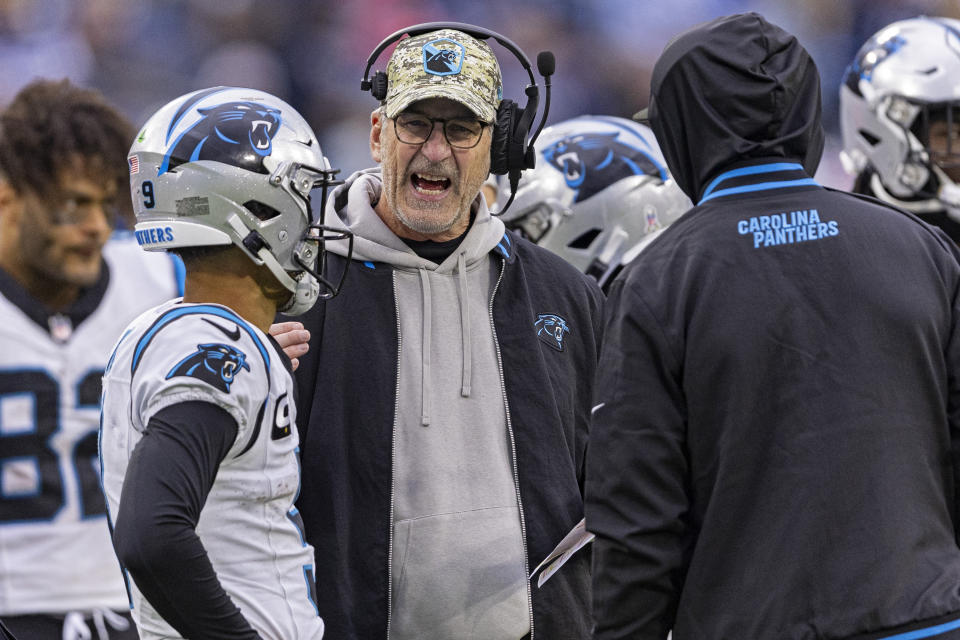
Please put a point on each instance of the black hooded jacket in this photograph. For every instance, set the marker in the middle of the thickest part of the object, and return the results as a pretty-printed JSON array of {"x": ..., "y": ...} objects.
[{"x": 775, "y": 451}]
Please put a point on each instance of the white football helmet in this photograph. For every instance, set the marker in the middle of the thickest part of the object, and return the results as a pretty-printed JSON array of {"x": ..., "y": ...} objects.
[
  {"x": 903, "y": 86},
  {"x": 600, "y": 186},
  {"x": 227, "y": 165}
]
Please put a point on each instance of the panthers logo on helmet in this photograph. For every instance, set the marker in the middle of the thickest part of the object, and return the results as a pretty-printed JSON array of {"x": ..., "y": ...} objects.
[
  {"x": 235, "y": 133},
  {"x": 590, "y": 162},
  {"x": 215, "y": 364},
  {"x": 550, "y": 329}
]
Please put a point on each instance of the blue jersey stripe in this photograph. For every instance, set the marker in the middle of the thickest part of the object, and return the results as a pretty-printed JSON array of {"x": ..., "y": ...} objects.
[
  {"x": 929, "y": 632},
  {"x": 762, "y": 186},
  {"x": 179, "y": 273},
  {"x": 180, "y": 312},
  {"x": 751, "y": 171}
]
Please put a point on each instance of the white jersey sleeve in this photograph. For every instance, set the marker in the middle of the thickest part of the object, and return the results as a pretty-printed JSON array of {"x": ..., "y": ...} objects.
[{"x": 209, "y": 357}]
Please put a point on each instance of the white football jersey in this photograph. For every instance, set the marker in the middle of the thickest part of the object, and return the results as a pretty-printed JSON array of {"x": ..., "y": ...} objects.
[
  {"x": 249, "y": 527},
  {"x": 55, "y": 549}
]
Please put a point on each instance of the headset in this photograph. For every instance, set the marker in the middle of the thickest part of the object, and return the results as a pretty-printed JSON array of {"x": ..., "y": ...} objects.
[{"x": 511, "y": 148}]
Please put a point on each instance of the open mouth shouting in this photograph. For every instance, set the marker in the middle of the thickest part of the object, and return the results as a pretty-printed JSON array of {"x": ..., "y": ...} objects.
[{"x": 430, "y": 186}]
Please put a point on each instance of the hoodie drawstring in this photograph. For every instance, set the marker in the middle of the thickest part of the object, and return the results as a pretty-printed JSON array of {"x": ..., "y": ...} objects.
[
  {"x": 425, "y": 349},
  {"x": 466, "y": 377},
  {"x": 467, "y": 372}
]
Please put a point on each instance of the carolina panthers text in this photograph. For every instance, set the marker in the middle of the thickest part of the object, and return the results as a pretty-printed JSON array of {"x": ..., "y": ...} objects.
[{"x": 787, "y": 228}]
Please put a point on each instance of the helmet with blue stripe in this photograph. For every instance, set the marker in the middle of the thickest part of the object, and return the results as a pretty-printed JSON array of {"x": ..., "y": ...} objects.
[
  {"x": 228, "y": 165},
  {"x": 599, "y": 187}
]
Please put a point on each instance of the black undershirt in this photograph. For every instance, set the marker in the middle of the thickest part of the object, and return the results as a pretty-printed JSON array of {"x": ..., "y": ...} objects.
[
  {"x": 435, "y": 251},
  {"x": 169, "y": 476}
]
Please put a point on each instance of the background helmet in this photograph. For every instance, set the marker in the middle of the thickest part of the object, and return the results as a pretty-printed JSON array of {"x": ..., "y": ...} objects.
[
  {"x": 227, "y": 165},
  {"x": 904, "y": 80},
  {"x": 600, "y": 185}
]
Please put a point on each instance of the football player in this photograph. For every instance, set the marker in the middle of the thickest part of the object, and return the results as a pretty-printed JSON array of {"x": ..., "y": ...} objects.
[
  {"x": 600, "y": 188},
  {"x": 900, "y": 119},
  {"x": 67, "y": 289},
  {"x": 198, "y": 444}
]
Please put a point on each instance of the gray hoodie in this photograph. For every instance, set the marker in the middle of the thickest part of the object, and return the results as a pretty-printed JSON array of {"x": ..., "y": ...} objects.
[{"x": 458, "y": 561}]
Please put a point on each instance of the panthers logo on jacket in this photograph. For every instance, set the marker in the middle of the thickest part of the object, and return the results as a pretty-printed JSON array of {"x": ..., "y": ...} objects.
[
  {"x": 215, "y": 364},
  {"x": 235, "y": 133},
  {"x": 550, "y": 329},
  {"x": 590, "y": 162}
]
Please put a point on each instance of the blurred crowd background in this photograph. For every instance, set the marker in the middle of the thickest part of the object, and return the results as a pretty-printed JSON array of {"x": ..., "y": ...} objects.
[{"x": 143, "y": 53}]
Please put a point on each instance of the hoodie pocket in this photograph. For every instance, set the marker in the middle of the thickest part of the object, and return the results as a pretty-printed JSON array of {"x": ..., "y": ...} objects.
[{"x": 460, "y": 575}]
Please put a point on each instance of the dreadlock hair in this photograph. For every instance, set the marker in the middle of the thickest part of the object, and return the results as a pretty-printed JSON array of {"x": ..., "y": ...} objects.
[{"x": 51, "y": 126}]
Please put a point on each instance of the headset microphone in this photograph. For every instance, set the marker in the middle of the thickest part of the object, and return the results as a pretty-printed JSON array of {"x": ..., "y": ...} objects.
[{"x": 546, "y": 66}]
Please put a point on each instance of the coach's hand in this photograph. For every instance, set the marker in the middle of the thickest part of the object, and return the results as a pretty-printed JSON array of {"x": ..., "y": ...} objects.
[{"x": 293, "y": 339}]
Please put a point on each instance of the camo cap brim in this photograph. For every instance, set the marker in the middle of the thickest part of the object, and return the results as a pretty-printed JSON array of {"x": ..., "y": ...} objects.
[{"x": 444, "y": 64}]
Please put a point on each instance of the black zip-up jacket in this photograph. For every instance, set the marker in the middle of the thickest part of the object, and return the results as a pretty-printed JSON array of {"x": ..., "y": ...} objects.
[
  {"x": 778, "y": 447},
  {"x": 346, "y": 401}
]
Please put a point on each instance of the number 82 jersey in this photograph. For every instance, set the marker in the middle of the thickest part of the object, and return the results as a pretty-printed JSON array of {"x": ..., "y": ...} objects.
[{"x": 55, "y": 551}]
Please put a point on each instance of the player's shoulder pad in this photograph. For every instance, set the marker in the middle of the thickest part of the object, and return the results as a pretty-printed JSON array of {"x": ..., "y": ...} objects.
[{"x": 209, "y": 343}]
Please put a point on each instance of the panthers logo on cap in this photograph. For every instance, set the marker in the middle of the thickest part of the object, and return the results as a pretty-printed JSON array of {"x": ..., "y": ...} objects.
[
  {"x": 591, "y": 162},
  {"x": 235, "y": 133},
  {"x": 215, "y": 364},
  {"x": 442, "y": 57}
]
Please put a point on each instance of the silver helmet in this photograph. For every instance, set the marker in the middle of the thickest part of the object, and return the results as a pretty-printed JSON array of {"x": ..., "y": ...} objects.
[
  {"x": 228, "y": 165},
  {"x": 899, "y": 114},
  {"x": 600, "y": 186}
]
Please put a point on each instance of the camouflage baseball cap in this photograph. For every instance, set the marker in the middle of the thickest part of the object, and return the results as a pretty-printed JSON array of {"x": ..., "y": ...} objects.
[{"x": 444, "y": 64}]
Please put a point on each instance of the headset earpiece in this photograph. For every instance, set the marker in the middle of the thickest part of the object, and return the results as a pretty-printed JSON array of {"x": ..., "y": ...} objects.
[
  {"x": 378, "y": 86},
  {"x": 503, "y": 129}
]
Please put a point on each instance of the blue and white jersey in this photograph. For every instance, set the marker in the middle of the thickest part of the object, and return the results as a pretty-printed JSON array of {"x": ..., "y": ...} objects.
[
  {"x": 55, "y": 550},
  {"x": 249, "y": 527}
]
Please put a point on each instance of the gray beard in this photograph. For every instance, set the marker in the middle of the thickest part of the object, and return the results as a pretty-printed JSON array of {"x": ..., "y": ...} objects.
[{"x": 425, "y": 226}]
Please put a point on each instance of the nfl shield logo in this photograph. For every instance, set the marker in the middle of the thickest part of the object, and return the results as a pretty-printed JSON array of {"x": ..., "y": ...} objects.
[
  {"x": 442, "y": 57},
  {"x": 652, "y": 222}
]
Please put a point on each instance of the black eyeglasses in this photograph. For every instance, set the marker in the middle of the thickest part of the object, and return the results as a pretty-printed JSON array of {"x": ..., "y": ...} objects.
[{"x": 461, "y": 133}]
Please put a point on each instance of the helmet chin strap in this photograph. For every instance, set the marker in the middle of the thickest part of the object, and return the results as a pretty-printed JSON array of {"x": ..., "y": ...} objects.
[{"x": 303, "y": 291}]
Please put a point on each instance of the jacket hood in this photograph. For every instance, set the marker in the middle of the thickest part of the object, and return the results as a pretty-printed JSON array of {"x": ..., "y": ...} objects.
[
  {"x": 351, "y": 204},
  {"x": 731, "y": 90}
]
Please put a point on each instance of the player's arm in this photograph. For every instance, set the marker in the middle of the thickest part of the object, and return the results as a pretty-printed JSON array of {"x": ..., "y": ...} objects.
[
  {"x": 170, "y": 473},
  {"x": 636, "y": 500}
]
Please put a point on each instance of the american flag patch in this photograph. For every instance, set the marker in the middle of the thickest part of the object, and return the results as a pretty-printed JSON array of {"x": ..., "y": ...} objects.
[{"x": 134, "y": 164}]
